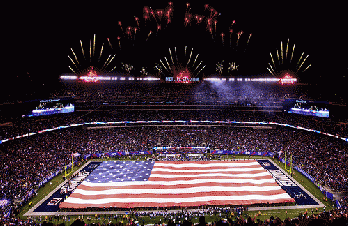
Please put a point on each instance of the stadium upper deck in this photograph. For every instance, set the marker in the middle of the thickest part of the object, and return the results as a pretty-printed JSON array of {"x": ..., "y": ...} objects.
[{"x": 204, "y": 93}]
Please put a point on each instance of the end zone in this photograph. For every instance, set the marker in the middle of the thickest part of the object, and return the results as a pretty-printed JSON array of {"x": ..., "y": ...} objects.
[{"x": 303, "y": 198}]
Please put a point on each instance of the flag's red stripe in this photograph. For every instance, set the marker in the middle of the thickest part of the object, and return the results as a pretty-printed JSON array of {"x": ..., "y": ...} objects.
[
  {"x": 207, "y": 167},
  {"x": 174, "y": 196},
  {"x": 170, "y": 204},
  {"x": 203, "y": 162},
  {"x": 152, "y": 186}
]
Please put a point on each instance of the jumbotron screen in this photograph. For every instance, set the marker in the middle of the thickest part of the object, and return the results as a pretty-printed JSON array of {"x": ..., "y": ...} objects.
[
  {"x": 52, "y": 106},
  {"x": 312, "y": 108}
]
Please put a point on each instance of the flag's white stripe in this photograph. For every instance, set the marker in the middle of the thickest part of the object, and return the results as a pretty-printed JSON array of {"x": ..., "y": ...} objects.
[
  {"x": 212, "y": 170},
  {"x": 178, "y": 190},
  {"x": 195, "y": 181},
  {"x": 176, "y": 200},
  {"x": 206, "y": 165}
]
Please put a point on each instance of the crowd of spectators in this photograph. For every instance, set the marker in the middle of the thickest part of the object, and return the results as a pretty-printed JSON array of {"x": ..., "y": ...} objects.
[
  {"x": 224, "y": 217},
  {"x": 28, "y": 161},
  {"x": 237, "y": 96},
  {"x": 343, "y": 202},
  {"x": 152, "y": 93},
  {"x": 27, "y": 125}
]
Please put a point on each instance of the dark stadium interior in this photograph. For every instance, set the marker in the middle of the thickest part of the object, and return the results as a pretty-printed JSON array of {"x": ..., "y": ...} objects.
[{"x": 44, "y": 119}]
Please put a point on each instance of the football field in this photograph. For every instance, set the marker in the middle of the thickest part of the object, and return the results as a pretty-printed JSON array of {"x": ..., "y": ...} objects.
[
  {"x": 130, "y": 184},
  {"x": 127, "y": 184}
]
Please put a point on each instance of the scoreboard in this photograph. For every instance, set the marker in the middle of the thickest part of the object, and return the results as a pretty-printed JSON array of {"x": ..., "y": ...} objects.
[
  {"x": 181, "y": 80},
  {"x": 309, "y": 107},
  {"x": 50, "y": 107}
]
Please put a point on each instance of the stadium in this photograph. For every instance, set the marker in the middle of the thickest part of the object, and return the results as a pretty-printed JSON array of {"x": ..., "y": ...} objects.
[{"x": 187, "y": 135}]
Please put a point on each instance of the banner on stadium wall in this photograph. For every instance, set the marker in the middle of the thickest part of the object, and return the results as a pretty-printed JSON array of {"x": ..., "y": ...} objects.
[
  {"x": 305, "y": 174},
  {"x": 48, "y": 178},
  {"x": 173, "y": 155},
  {"x": 85, "y": 157},
  {"x": 195, "y": 155},
  {"x": 329, "y": 195},
  {"x": 179, "y": 148},
  {"x": 338, "y": 204},
  {"x": 253, "y": 153},
  {"x": 326, "y": 193},
  {"x": 118, "y": 153}
]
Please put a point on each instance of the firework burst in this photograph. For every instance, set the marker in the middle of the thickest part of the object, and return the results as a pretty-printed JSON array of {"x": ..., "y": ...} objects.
[
  {"x": 229, "y": 42},
  {"x": 286, "y": 61},
  {"x": 131, "y": 40},
  {"x": 131, "y": 43},
  {"x": 95, "y": 58},
  {"x": 186, "y": 63}
]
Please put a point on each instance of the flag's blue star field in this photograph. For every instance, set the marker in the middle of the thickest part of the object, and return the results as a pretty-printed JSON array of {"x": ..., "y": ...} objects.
[{"x": 120, "y": 171}]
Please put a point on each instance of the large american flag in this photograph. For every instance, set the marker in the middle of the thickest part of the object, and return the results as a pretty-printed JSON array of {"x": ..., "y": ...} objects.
[{"x": 129, "y": 184}]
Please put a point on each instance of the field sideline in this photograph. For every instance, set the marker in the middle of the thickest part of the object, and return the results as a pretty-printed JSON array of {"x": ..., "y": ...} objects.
[{"x": 281, "y": 212}]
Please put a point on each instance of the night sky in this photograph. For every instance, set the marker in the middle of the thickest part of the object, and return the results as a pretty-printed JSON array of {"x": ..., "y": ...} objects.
[{"x": 38, "y": 39}]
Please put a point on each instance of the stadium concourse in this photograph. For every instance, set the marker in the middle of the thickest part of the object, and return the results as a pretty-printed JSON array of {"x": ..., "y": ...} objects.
[{"x": 28, "y": 161}]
